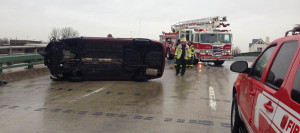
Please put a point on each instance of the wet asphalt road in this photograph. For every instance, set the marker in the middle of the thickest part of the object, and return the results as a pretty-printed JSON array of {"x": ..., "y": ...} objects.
[{"x": 199, "y": 102}]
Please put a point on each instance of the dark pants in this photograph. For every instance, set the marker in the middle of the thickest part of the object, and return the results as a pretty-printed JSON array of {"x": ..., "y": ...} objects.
[
  {"x": 183, "y": 63},
  {"x": 190, "y": 63}
]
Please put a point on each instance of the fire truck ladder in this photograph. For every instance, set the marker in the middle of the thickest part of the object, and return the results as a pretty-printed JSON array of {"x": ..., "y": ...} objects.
[{"x": 210, "y": 22}]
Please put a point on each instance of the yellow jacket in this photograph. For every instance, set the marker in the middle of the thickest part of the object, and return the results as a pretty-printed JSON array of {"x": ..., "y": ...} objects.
[
  {"x": 178, "y": 52},
  {"x": 192, "y": 49}
]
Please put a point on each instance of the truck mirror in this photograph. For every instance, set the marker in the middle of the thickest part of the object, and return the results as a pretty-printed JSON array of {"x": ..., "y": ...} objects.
[{"x": 239, "y": 67}]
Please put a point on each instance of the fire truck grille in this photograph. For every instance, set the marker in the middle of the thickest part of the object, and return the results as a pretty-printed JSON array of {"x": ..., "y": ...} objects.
[{"x": 217, "y": 50}]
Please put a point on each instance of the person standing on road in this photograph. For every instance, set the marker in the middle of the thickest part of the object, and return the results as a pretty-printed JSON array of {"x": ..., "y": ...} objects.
[
  {"x": 190, "y": 63},
  {"x": 176, "y": 45},
  {"x": 182, "y": 54}
]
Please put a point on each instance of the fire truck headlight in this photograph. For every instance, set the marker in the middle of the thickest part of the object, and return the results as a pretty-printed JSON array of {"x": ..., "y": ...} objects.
[
  {"x": 227, "y": 51},
  {"x": 207, "y": 51}
]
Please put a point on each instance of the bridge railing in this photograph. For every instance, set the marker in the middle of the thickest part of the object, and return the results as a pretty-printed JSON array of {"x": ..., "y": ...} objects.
[
  {"x": 29, "y": 60},
  {"x": 253, "y": 54}
]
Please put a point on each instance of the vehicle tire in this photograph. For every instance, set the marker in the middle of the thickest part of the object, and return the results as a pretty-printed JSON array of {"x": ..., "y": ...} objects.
[
  {"x": 236, "y": 121},
  {"x": 3, "y": 82},
  {"x": 170, "y": 56},
  {"x": 75, "y": 79},
  {"x": 218, "y": 63},
  {"x": 57, "y": 77}
]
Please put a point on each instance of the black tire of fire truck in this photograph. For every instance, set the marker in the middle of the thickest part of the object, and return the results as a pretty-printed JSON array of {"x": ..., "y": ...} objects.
[
  {"x": 170, "y": 56},
  {"x": 218, "y": 63},
  {"x": 236, "y": 121}
]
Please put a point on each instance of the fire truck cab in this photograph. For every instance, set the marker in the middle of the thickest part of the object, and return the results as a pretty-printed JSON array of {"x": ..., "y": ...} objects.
[{"x": 211, "y": 43}]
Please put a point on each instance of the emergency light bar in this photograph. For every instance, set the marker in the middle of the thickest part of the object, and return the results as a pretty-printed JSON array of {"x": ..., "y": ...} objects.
[
  {"x": 297, "y": 27},
  {"x": 215, "y": 30},
  {"x": 200, "y": 30}
]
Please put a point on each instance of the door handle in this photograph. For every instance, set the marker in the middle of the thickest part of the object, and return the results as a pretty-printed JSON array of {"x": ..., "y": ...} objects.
[
  {"x": 251, "y": 92},
  {"x": 269, "y": 106}
]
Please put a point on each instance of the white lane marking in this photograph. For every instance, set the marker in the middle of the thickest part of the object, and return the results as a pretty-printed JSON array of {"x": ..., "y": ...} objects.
[
  {"x": 212, "y": 98},
  {"x": 94, "y": 92}
]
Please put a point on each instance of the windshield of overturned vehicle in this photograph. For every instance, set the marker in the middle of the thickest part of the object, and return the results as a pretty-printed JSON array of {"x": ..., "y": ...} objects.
[{"x": 215, "y": 38}]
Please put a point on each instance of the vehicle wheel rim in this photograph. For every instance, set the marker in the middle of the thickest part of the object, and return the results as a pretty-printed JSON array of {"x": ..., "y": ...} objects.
[{"x": 233, "y": 115}]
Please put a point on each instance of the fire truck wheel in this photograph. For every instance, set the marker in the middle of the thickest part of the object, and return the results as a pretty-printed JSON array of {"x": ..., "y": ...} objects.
[
  {"x": 170, "y": 56},
  {"x": 218, "y": 63},
  {"x": 236, "y": 121}
]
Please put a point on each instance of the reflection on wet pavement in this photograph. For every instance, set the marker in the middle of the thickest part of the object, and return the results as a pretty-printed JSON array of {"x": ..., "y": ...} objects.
[{"x": 198, "y": 101}]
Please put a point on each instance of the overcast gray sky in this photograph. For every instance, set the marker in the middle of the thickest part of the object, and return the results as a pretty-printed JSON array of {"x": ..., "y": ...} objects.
[{"x": 251, "y": 19}]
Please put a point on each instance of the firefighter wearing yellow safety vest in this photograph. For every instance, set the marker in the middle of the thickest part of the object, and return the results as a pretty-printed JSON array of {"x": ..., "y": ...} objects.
[
  {"x": 190, "y": 63},
  {"x": 182, "y": 54},
  {"x": 177, "y": 44}
]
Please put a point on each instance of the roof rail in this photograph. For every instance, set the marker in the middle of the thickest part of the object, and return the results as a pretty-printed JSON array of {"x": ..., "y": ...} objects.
[{"x": 295, "y": 30}]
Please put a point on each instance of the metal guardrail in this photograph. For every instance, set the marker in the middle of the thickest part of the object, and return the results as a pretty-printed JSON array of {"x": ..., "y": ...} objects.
[
  {"x": 13, "y": 50},
  {"x": 30, "y": 59},
  {"x": 254, "y": 54}
]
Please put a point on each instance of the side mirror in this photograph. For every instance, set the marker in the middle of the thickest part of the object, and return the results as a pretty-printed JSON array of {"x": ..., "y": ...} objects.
[{"x": 239, "y": 67}]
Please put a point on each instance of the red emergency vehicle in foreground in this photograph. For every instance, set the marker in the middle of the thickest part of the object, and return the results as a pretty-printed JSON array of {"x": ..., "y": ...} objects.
[
  {"x": 266, "y": 96},
  {"x": 212, "y": 44}
]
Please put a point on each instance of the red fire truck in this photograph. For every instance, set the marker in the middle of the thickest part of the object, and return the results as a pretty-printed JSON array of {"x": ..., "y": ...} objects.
[{"x": 211, "y": 40}]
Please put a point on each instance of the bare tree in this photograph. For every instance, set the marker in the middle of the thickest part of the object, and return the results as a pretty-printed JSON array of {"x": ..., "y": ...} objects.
[
  {"x": 4, "y": 41},
  {"x": 68, "y": 32},
  {"x": 63, "y": 33},
  {"x": 55, "y": 34},
  {"x": 236, "y": 50},
  {"x": 1, "y": 42}
]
